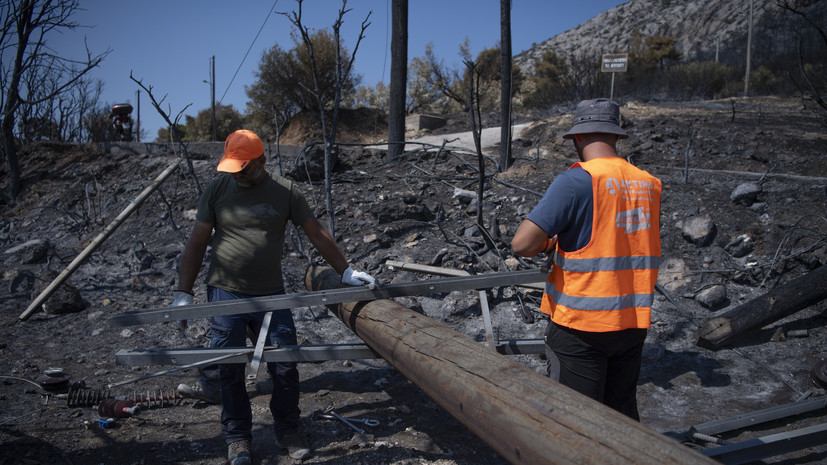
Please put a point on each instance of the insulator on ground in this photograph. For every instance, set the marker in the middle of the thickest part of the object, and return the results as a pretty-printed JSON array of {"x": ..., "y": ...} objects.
[
  {"x": 81, "y": 396},
  {"x": 160, "y": 398},
  {"x": 115, "y": 408}
]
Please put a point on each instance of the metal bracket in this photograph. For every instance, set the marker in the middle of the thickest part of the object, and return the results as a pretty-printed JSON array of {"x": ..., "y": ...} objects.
[{"x": 252, "y": 370}]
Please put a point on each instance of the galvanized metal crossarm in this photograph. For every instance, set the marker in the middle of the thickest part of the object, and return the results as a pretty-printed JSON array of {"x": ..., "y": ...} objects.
[{"x": 327, "y": 297}]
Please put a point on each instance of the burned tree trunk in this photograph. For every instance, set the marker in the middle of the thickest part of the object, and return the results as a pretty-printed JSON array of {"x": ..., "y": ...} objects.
[{"x": 784, "y": 300}]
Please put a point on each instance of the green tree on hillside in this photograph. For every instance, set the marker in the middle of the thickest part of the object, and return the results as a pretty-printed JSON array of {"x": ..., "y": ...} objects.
[
  {"x": 649, "y": 57},
  {"x": 423, "y": 96},
  {"x": 283, "y": 85},
  {"x": 164, "y": 137},
  {"x": 429, "y": 77},
  {"x": 227, "y": 120},
  {"x": 551, "y": 83},
  {"x": 377, "y": 97}
]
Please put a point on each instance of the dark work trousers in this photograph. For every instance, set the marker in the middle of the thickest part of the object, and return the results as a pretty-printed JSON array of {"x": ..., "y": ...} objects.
[
  {"x": 603, "y": 366},
  {"x": 231, "y": 331}
]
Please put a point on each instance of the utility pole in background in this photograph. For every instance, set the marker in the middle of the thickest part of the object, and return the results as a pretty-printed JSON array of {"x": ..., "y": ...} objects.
[
  {"x": 212, "y": 96},
  {"x": 399, "y": 78},
  {"x": 749, "y": 51},
  {"x": 505, "y": 83},
  {"x": 138, "y": 116}
]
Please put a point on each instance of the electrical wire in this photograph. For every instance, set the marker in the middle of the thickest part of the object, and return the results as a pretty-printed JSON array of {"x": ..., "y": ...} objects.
[
  {"x": 23, "y": 379},
  {"x": 248, "y": 51}
]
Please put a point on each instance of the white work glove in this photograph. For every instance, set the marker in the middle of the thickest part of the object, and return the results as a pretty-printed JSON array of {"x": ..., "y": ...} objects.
[
  {"x": 182, "y": 298},
  {"x": 357, "y": 278}
]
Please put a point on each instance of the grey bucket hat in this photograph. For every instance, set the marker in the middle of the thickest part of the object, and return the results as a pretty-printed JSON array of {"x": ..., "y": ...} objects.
[{"x": 598, "y": 115}]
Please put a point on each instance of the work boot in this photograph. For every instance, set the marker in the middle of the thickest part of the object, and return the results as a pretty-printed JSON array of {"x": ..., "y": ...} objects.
[
  {"x": 295, "y": 443},
  {"x": 210, "y": 396},
  {"x": 239, "y": 453}
]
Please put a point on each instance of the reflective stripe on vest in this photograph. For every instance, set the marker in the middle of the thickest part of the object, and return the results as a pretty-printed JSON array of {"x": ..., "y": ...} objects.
[
  {"x": 599, "y": 303},
  {"x": 585, "y": 265}
]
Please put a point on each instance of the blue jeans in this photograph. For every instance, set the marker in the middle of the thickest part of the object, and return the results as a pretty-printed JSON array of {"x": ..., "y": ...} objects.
[{"x": 231, "y": 331}]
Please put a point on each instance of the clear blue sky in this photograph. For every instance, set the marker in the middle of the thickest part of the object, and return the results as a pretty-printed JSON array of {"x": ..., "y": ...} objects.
[{"x": 168, "y": 44}]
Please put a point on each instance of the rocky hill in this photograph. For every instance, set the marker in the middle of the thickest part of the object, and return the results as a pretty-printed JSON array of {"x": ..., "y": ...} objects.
[{"x": 704, "y": 29}]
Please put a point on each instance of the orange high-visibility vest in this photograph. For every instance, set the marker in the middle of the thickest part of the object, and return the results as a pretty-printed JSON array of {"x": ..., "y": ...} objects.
[{"x": 609, "y": 284}]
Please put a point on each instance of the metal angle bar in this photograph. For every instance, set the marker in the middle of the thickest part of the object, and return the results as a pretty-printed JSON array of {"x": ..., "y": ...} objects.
[
  {"x": 304, "y": 353},
  {"x": 768, "y": 446},
  {"x": 328, "y": 297},
  {"x": 753, "y": 418},
  {"x": 521, "y": 346},
  {"x": 312, "y": 353},
  {"x": 252, "y": 370},
  {"x": 178, "y": 368}
]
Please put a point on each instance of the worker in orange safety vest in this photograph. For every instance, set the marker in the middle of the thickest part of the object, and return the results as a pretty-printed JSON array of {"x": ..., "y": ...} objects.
[{"x": 600, "y": 223}]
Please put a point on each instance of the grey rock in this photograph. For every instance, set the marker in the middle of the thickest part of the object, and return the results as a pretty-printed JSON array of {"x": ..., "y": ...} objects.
[
  {"x": 740, "y": 246},
  {"x": 23, "y": 281},
  {"x": 713, "y": 297},
  {"x": 746, "y": 194},
  {"x": 65, "y": 299},
  {"x": 699, "y": 230},
  {"x": 311, "y": 166},
  {"x": 30, "y": 252},
  {"x": 390, "y": 213},
  {"x": 759, "y": 207}
]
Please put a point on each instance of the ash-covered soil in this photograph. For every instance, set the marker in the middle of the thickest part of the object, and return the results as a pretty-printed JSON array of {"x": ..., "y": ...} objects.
[{"x": 412, "y": 210}]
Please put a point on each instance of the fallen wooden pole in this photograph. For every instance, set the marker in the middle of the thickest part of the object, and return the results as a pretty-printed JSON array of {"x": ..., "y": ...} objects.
[
  {"x": 96, "y": 242},
  {"x": 780, "y": 302},
  {"x": 524, "y": 416}
]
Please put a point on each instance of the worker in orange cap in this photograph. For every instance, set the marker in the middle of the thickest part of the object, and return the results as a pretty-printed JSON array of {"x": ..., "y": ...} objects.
[{"x": 243, "y": 216}]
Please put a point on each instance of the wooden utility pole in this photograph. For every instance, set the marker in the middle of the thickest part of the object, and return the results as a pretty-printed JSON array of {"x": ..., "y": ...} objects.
[
  {"x": 749, "y": 51},
  {"x": 138, "y": 116},
  {"x": 212, "y": 97},
  {"x": 526, "y": 417},
  {"x": 505, "y": 84},
  {"x": 399, "y": 78}
]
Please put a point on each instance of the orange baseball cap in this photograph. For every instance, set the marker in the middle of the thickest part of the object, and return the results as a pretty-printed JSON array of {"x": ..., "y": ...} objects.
[{"x": 240, "y": 148}]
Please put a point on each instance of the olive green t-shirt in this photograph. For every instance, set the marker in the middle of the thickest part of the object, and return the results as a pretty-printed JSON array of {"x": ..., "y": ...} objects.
[{"x": 249, "y": 231}]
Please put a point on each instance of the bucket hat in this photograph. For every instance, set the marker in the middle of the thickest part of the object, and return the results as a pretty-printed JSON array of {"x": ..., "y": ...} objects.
[
  {"x": 240, "y": 147},
  {"x": 598, "y": 115}
]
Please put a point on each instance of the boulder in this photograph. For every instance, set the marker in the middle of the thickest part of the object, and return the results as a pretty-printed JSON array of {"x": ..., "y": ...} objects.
[
  {"x": 30, "y": 252},
  {"x": 713, "y": 297},
  {"x": 65, "y": 299},
  {"x": 740, "y": 246},
  {"x": 310, "y": 167},
  {"x": 746, "y": 194},
  {"x": 699, "y": 230}
]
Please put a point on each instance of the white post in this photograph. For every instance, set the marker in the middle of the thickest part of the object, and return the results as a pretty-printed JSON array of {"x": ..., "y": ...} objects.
[{"x": 612, "y": 92}]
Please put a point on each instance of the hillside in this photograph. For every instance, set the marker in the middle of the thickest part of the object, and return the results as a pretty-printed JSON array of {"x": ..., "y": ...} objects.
[{"x": 704, "y": 29}]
